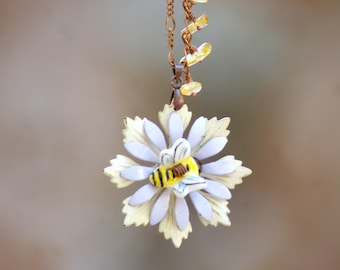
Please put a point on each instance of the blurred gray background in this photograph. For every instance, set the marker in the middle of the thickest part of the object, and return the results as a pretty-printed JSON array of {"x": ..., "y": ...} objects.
[{"x": 71, "y": 70}]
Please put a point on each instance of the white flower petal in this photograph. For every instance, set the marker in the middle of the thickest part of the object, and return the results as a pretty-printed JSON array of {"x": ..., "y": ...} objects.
[
  {"x": 176, "y": 128},
  {"x": 143, "y": 194},
  {"x": 211, "y": 148},
  {"x": 233, "y": 178},
  {"x": 154, "y": 134},
  {"x": 170, "y": 229},
  {"x": 137, "y": 173},
  {"x": 164, "y": 115},
  {"x": 141, "y": 151},
  {"x": 218, "y": 190},
  {"x": 219, "y": 167},
  {"x": 197, "y": 131},
  {"x": 201, "y": 205},
  {"x": 160, "y": 207},
  {"x": 181, "y": 213}
]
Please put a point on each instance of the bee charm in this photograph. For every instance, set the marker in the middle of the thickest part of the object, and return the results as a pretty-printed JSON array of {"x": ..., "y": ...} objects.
[
  {"x": 170, "y": 175},
  {"x": 178, "y": 170}
]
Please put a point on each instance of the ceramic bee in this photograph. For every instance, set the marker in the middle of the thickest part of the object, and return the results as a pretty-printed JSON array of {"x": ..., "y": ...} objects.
[{"x": 178, "y": 170}]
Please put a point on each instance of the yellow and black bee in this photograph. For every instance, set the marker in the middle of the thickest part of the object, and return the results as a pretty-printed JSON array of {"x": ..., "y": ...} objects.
[
  {"x": 178, "y": 170},
  {"x": 170, "y": 175}
]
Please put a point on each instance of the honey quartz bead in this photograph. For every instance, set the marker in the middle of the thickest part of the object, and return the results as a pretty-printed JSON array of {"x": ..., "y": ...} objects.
[
  {"x": 199, "y": 1},
  {"x": 202, "y": 52},
  {"x": 198, "y": 24},
  {"x": 190, "y": 88}
]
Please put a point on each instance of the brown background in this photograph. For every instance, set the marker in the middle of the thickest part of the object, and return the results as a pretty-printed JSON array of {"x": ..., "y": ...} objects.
[{"x": 71, "y": 70}]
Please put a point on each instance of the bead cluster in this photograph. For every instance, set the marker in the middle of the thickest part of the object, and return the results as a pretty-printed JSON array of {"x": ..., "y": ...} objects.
[{"x": 192, "y": 55}]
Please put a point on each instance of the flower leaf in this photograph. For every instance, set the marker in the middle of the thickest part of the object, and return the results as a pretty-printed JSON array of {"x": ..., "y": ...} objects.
[{"x": 117, "y": 165}]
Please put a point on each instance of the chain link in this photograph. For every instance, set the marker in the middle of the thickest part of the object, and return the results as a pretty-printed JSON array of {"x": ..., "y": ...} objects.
[
  {"x": 170, "y": 25},
  {"x": 187, "y": 36}
]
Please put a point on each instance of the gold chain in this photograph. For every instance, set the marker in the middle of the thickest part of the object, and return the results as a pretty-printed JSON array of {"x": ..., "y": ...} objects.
[
  {"x": 187, "y": 36},
  {"x": 189, "y": 17},
  {"x": 170, "y": 24}
]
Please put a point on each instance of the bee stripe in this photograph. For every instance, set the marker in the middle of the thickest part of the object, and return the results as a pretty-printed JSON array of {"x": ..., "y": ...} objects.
[
  {"x": 152, "y": 179},
  {"x": 160, "y": 178},
  {"x": 156, "y": 178}
]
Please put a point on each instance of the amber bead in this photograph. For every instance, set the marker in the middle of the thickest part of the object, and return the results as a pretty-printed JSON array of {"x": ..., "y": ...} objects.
[
  {"x": 190, "y": 88},
  {"x": 201, "y": 22},
  {"x": 202, "y": 52}
]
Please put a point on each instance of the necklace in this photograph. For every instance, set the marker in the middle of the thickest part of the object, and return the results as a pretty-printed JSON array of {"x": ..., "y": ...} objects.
[{"x": 171, "y": 166}]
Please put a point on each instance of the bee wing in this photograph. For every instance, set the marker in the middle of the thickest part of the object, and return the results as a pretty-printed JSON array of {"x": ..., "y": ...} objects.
[
  {"x": 188, "y": 184},
  {"x": 167, "y": 157},
  {"x": 193, "y": 180},
  {"x": 181, "y": 149}
]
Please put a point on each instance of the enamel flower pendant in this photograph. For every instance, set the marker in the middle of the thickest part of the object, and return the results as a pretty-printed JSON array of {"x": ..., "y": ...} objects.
[
  {"x": 174, "y": 172},
  {"x": 171, "y": 166}
]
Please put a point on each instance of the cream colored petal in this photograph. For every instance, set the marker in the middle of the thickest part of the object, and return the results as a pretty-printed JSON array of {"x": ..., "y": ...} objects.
[
  {"x": 169, "y": 227},
  {"x": 164, "y": 115},
  {"x": 233, "y": 178},
  {"x": 220, "y": 212},
  {"x": 134, "y": 132},
  {"x": 117, "y": 165},
  {"x": 214, "y": 128},
  {"x": 138, "y": 214}
]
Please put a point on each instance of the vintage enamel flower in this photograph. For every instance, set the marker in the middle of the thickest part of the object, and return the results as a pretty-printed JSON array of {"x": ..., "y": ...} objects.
[{"x": 173, "y": 169}]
